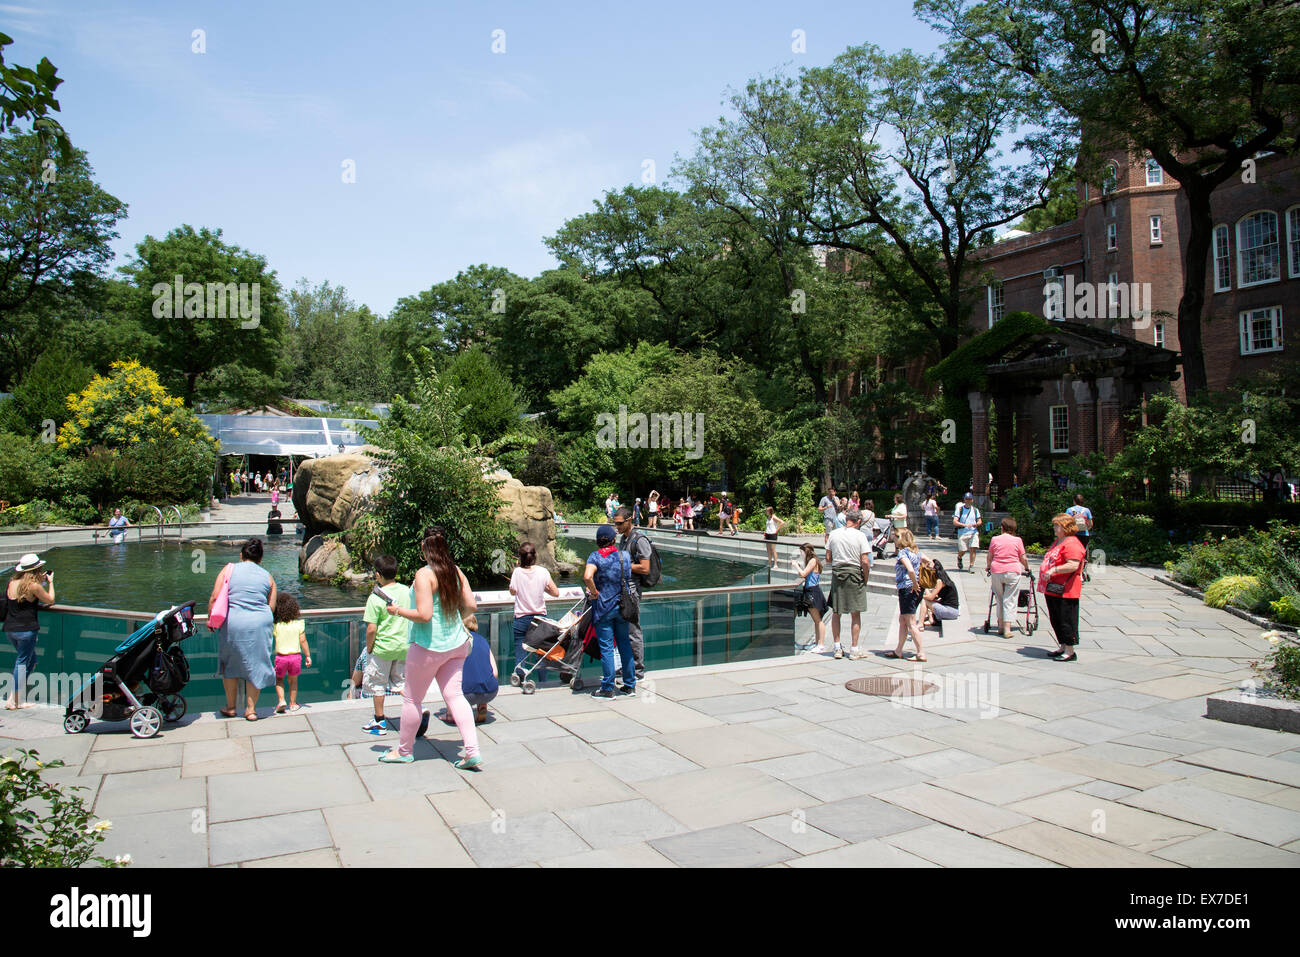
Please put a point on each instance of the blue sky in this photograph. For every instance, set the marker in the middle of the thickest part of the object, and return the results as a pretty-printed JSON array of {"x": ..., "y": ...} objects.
[{"x": 461, "y": 155}]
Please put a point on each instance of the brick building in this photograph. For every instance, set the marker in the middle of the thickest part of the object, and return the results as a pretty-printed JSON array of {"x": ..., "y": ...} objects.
[{"x": 1118, "y": 267}]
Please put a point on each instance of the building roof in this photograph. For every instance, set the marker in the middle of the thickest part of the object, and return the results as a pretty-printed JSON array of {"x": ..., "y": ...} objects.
[{"x": 284, "y": 435}]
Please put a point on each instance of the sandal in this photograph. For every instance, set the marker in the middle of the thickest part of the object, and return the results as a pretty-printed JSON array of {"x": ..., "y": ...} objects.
[
  {"x": 251, "y": 716},
  {"x": 281, "y": 708},
  {"x": 227, "y": 713},
  {"x": 920, "y": 658},
  {"x": 892, "y": 654}
]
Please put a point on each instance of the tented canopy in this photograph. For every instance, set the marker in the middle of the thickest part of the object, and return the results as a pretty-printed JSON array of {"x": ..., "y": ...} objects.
[{"x": 284, "y": 435}]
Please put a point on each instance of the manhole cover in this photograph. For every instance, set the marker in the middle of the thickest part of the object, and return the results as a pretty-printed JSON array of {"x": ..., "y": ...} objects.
[{"x": 890, "y": 685}]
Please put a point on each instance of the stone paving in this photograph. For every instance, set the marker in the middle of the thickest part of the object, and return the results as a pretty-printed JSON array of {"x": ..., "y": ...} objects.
[{"x": 1020, "y": 762}]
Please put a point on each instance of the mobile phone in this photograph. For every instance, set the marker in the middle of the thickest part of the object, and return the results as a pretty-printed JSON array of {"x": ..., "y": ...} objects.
[{"x": 382, "y": 595}]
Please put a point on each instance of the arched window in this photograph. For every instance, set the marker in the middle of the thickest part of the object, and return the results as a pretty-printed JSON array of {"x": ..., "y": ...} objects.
[
  {"x": 1155, "y": 175},
  {"x": 1258, "y": 251},
  {"x": 1109, "y": 179},
  {"x": 1293, "y": 241}
]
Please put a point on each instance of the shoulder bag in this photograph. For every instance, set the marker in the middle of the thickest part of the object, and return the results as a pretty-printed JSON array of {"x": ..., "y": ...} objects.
[
  {"x": 629, "y": 602},
  {"x": 221, "y": 607}
]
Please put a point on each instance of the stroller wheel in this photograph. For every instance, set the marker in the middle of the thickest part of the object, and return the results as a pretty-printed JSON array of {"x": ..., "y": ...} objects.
[
  {"x": 515, "y": 680},
  {"x": 146, "y": 722},
  {"x": 576, "y": 684},
  {"x": 530, "y": 686},
  {"x": 172, "y": 707},
  {"x": 76, "y": 722}
]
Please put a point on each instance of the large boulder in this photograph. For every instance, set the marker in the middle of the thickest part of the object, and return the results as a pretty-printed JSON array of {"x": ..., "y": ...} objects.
[
  {"x": 325, "y": 562},
  {"x": 531, "y": 510},
  {"x": 331, "y": 493}
]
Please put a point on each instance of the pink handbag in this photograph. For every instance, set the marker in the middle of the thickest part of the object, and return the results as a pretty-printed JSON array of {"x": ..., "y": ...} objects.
[{"x": 221, "y": 607}]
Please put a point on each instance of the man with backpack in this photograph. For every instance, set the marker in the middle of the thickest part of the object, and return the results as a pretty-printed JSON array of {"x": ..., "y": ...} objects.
[
  {"x": 645, "y": 574},
  {"x": 966, "y": 518}
]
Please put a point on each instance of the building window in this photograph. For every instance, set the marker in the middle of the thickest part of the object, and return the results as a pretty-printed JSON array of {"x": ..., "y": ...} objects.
[
  {"x": 1160, "y": 334},
  {"x": 997, "y": 303},
  {"x": 1155, "y": 175},
  {"x": 1222, "y": 260},
  {"x": 1110, "y": 209},
  {"x": 1112, "y": 237},
  {"x": 1059, "y": 427},
  {"x": 1109, "y": 179},
  {"x": 1261, "y": 330},
  {"x": 1112, "y": 292},
  {"x": 1293, "y": 240},
  {"x": 1257, "y": 249},
  {"x": 1155, "y": 231},
  {"x": 1054, "y": 292}
]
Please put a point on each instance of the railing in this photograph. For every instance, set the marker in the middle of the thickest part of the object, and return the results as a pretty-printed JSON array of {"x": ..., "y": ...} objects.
[
  {"x": 682, "y": 628},
  {"x": 159, "y": 513},
  {"x": 180, "y": 520}
]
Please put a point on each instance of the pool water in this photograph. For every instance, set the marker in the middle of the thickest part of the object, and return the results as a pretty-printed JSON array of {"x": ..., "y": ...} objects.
[{"x": 149, "y": 576}]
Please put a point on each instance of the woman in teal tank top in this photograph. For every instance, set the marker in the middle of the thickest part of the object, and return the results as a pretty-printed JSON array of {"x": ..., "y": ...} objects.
[{"x": 440, "y": 643}]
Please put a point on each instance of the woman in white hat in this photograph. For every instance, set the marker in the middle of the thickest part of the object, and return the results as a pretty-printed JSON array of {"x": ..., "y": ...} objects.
[{"x": 28, "y": 588}]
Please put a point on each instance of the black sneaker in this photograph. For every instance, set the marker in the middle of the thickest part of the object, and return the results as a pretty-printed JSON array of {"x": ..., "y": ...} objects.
[
  {"x": 598, "y": 693},
  {"x": 625, "y": 690},
  {"x": 958, "y": 563},
  {"x": 424, "y": 725}
]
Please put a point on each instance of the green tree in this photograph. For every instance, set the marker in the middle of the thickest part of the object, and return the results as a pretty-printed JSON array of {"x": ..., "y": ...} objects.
[
  {"x": 433, "y": 478},
  {"x": 56, "y": 226},
  {"x": 229, "y": 313},
  {"x": 337, "y": 350},
  {"x": 493, "y": 404},
  {"x": 1201, "y": 87},
  {"x": 28, "y": 95},
  {"x": 43, "y": 393}
]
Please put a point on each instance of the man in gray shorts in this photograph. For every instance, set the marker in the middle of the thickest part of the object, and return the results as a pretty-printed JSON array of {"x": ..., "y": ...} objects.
[
  {"x": 827, "y": 507},
  {"x": 848, "y": 552}
]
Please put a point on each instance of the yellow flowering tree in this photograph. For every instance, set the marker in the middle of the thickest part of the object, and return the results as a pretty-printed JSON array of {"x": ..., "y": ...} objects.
[{"x": 128, "y": 438}]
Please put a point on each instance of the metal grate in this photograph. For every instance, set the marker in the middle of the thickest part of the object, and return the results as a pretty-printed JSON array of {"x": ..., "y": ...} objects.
[{"x": 888, "y": 686}]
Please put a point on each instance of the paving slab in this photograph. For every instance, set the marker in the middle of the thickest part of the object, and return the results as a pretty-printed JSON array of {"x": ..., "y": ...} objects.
[
  {"x": 460, "y": 807},
  {"x": 697, "y": 686},
  {"x": 301, "y": 757},
  {"x": 662, "y": 714},
  {"x": 953, "y": 809},
  {"x": 1082, "y": 729},
  {"x": 267, "y": 723},
  {"x": 218, "y": 756},
  {"x": 798, "y": 766},
  {"x": 727, "y": 745},
  {"x": 508, "y": 842},
  {"x": 796, "y": 833},
  {"x": 1108, "y": 820},
  {"x": 559, "y": 750},
  {"x": 1010, "y": 782},
  {"x": 712, "y": 797},
  {"x": 284, "y": 742},
  {"x": 325, "y": 857},
  {"x": 529, "y": 729},
  {"x": 597, "y": 728},
  {"x": 1136, "y": 755},
  {"x": 862, "y": 819},
  {"x": 865, "y": 854},
  {"x": 732, "y": 845},
  {"x": 653, "y": 761},
  {"x": 124, "y": 759},
  {"x": 1072, "y": 849},
  {"x": 1255, "y": 820},
  {"x": 950, "y": 847},
  {"x": 1248, "y": 765},
  {"x": 520, "y": 792},
  {"x": 1225, "y": 783},
  {"x": 623, "y": 856},
  {"x": 722, "y": 705},
  {"x": 144, "y": 792},
  {"x": 1117, "y": 773},
  {"x": 857, "y": 781},
  {"x": 999, "y": 740},
  {"x": 71, "y": 749},
  {"x": 910, "y": 745},
  {"x": 945, "y": 763},
  {"x": 387, "y": 782},
  {"x": 158, "y": 839},
  {"x": 1216, "y": 849},
  {"x": 1178, "y": 687},
  {"x": 115, "y": 734},
  {"x": 622, "y": 822},
  {"x": 233, "y": 797},
  {"x": 270, "y": 836},
  {"x": 406, "y": 832},
  {"x": 841, "y": 747}
]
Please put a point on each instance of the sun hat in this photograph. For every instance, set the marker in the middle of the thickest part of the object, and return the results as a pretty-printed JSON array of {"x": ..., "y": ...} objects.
[{"x": 29, "y": 562}]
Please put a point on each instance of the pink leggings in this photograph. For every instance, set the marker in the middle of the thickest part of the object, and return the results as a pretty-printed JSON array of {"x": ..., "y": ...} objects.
[{"x": 422, "y": 667}]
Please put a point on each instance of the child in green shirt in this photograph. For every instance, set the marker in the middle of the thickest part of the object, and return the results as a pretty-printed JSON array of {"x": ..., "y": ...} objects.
[{"x": 387, "y": 638}]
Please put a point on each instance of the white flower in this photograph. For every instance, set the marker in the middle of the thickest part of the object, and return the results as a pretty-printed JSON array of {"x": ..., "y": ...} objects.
[
  {"x": 122, "y": 859},
  {"x": 1272, "y": 637},
  {"x": 99, "y": 828}
]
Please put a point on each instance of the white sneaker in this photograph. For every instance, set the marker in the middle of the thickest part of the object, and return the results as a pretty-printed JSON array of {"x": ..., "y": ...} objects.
[{"x": 839, "y": 652}]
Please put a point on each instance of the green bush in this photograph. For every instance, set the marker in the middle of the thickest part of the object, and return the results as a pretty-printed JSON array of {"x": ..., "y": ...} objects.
[
  {"x": 1281, "y": 669},
  {"x": 26, "y": 466},
  {"x": 1286, "y": 610},
  {"x": 1136, "y": 539},
  {"x": 40, "y": 825},
  {"x": 1243, "y": 591}
]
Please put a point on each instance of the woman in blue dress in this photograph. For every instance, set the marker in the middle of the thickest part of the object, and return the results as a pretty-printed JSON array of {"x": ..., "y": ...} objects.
[{"x": 244, "y": 641}]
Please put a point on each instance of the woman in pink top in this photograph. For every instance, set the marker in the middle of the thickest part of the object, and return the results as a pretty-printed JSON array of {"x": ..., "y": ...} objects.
[
  {"x": 530, "y": 584},
  {"x": 1004, "y": 560}
]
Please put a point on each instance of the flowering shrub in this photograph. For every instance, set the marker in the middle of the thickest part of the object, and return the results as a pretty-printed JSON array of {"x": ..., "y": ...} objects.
[
  {"x": 1281, "y": 669},
  {"x": 40, "y": 825}
]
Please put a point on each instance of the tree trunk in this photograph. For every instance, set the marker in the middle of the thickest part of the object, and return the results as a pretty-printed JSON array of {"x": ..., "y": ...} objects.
[{"x": 1192, "y": 304}]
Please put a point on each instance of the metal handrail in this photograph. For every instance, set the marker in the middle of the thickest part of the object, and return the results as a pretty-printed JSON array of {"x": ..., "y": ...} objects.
[
  {"x": 160, "y": 518},
  {"x": 499, "y": 603},
  {"x": 180, "y": 520}
]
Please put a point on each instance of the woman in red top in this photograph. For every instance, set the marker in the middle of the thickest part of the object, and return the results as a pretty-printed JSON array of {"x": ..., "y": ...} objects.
[{"x": 1061, "y": 582}]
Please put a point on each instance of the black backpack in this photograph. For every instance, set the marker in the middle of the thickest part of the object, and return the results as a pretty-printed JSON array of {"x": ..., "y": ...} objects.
[{"x": 656, "y": 573}]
